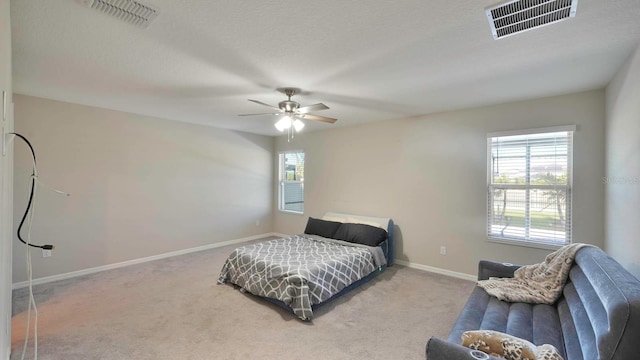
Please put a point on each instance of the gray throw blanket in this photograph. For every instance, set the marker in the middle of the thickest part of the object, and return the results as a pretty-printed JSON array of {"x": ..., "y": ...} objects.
[{"x": 539, "y": 283}]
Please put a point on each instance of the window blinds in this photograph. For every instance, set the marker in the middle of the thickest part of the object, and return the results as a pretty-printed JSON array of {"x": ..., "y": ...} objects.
[
  {"x": 529, "y": 191},
  {"x": 292, "y": 181}
]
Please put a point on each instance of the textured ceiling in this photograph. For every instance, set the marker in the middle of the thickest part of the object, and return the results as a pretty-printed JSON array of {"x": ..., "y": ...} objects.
[{"x": 200, "y": 61}]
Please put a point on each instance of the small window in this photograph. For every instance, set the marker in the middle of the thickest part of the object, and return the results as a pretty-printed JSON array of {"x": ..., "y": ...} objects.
[
  {"x": 291, "y": 194},
  {"x": 529, "y": 187}
]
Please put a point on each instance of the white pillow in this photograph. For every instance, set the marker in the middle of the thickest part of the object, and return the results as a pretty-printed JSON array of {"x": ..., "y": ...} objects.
[
  {"x": 334, "y": 218},
  {"x": 365, "y": 222}
]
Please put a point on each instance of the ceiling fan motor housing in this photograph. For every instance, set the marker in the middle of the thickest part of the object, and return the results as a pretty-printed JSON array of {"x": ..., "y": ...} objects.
[{"x": 288, "y": 106}]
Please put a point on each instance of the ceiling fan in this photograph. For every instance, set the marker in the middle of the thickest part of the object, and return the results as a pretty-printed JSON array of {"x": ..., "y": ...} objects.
[{"x": 293, "y": 113}]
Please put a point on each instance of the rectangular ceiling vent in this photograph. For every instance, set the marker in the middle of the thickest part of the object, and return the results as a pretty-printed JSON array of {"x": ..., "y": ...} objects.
[
  {"x": 131, "y": 11},
  {"x": 516, "y": 16}
]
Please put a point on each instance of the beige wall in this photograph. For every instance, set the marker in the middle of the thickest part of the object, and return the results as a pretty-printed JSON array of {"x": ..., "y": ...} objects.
[
  {"x": 622, "y": 221},
  {"x": 6, "y": 189},
  {"x": 429, "y": 174},
  {"x": 139, "y": 186}
]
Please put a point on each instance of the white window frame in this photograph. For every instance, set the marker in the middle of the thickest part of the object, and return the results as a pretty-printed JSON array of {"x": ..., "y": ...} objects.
[
  {"x": 283, "y": 182},
  {"x": 548, "y": 243}
]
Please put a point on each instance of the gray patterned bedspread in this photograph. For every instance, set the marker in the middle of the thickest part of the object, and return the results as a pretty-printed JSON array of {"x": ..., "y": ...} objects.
[{"x": 300, "y": 270}]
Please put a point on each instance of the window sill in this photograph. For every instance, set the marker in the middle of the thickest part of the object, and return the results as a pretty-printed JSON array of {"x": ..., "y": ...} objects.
[
  {"x": 291, "y": 212},
  {"x": 529, "y": 244}
]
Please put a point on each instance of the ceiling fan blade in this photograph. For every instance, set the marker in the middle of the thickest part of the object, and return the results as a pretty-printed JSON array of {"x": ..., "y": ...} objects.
[
  {"x": 317, "y": 118},
  {"x": 267, "y": 105},
  {"x": 259, "y": 114},
  {"x": 310, "y": 108}
]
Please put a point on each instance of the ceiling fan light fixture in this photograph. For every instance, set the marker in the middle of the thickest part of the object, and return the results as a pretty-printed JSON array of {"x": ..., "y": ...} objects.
[
  {"x": 298, "y": 125},
  {"x": 283, "y": 123}
]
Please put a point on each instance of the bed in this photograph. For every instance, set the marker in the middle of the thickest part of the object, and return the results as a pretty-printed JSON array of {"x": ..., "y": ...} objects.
[{"x": 335, "y": 254}]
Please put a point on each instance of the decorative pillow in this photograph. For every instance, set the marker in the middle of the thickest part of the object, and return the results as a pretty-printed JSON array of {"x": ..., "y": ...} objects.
[
  {"x": 508, "y": 347},
  {"x": 361, "y": 234},
  {"x": 321, "y": 227},
  {"x": 547, "y": 352}
]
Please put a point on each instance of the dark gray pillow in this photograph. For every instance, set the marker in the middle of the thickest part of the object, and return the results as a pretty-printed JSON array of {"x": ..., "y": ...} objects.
[
  {"x": 361, "y": 234},
  {"x": 321, "y": 227}
]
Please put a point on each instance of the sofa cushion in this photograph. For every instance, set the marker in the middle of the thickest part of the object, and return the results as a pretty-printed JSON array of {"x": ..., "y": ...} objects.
[{"x": 536, "y": 323}]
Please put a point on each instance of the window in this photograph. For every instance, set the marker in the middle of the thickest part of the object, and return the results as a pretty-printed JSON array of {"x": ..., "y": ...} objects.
[
  {"x": 291, "y": 194},
  {"x": 529, "y": 191}
]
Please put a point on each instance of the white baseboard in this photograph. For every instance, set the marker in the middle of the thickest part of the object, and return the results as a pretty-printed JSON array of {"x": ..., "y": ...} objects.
[
  {"x": 436, "y": 270},
  {"x": 69, "y": 275}
]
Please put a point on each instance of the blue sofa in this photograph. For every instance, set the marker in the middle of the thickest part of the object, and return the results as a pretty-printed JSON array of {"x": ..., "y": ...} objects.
[{"x": 596, "y": 318}]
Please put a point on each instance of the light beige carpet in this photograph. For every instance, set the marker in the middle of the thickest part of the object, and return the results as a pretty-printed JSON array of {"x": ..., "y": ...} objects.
[{"x": 173, "y": 309}]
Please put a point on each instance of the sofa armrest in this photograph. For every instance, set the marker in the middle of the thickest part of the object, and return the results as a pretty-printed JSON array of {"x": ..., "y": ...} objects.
[
  {"x": 438, "y": 349},
  {"x": 487, "y": 269}
]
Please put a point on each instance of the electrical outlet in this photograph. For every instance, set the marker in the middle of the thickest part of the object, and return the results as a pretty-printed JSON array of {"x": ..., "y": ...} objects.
[
  {"x": 46, "y": 253},
  {"x": 257, "y": 222},
  {"x": 443, "y": 250}
]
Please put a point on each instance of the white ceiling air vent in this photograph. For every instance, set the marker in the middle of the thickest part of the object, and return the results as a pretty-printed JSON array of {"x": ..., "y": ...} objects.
[
  {"x": 516, "y": 16},
  {"x": 131, "y": 11}
]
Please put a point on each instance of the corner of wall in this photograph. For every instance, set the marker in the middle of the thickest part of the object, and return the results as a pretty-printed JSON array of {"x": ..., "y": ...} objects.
[
  {"x": 6, "y": 184},
  {"x": 622, "y": 175}
]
